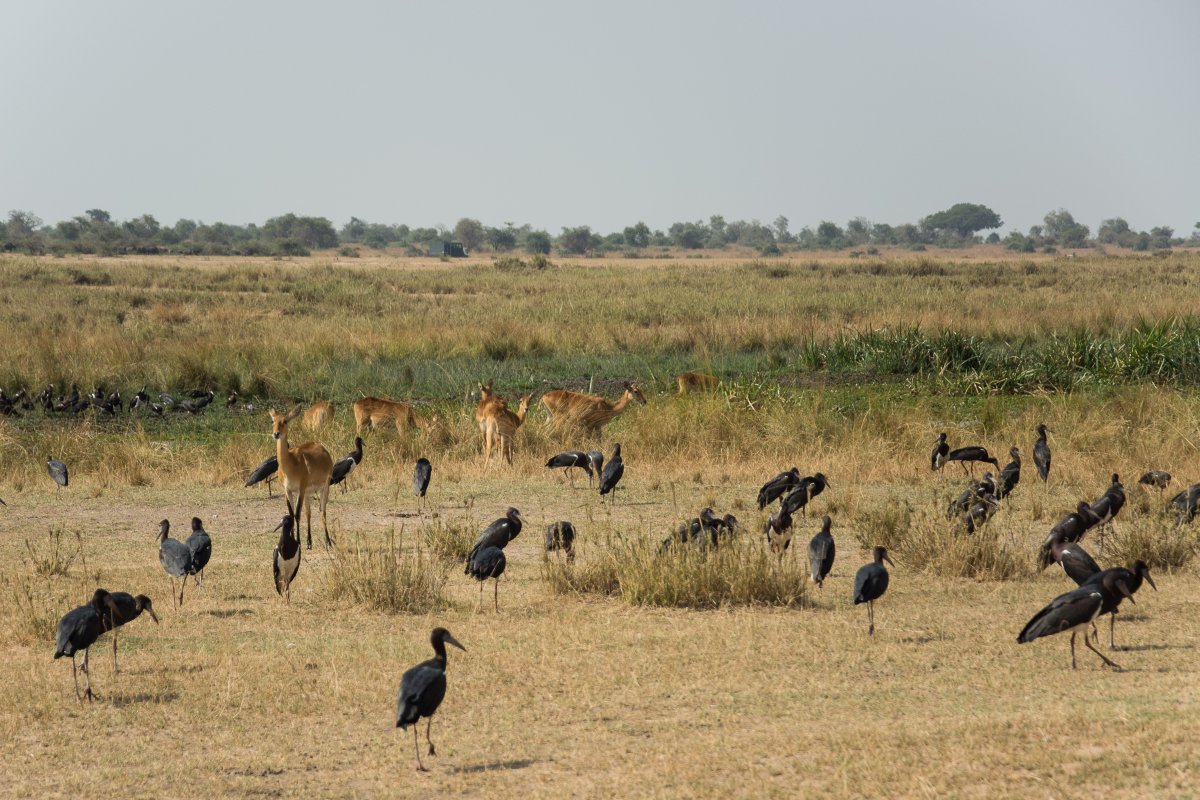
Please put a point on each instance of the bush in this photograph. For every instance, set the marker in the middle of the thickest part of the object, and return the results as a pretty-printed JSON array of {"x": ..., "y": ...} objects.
[
  {"x": 349, "y": 252},
  {"x": 448, "y": 543},
  {"x": 742, "y": 572},
  {"x": 386, "y": 579},
  {"x": 291, "y": 247},
  {"x": 1158, "y": 541}
]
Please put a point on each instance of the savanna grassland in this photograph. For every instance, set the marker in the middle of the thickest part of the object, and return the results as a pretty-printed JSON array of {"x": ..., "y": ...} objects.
[{"x": 614, "y": 677}]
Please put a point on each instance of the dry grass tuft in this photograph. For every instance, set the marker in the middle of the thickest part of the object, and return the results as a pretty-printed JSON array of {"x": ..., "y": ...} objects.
[
  {"x": 448, "y": 542},
  {"x": 385, "y": 578},
  {"x": 56, "y": 555},
  {"x": 739, "y": 573},
  {"x": 1156, "y": 540}
]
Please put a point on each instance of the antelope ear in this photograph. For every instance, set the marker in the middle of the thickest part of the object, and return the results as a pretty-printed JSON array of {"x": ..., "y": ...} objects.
[
  {"x": 272, "y": 413},
  {"x": 295, "y": 412}
]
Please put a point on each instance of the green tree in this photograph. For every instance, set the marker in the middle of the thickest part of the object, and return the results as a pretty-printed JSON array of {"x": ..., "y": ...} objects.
[
  {"x": 502, "y": 239},
  {"x": 964, "y": 219},
  {"x": 470, "y": 232},
  {"x": 577, "y": 241},
  {"x": 637, "y": 236},
  {"x": 1061, "y": 228},
  {"x": 1113, "y": 231},
  {"x": 1160, "y": 237},
  {"x": 537, "y": 242},
  {"x": 780, "y": 228},
  {"x": 829, "y": 234}
]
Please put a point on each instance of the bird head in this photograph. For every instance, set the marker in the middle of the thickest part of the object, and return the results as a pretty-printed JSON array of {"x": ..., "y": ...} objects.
[
  {"x": 1042, "y": 429},
  {"x": 144, "y": 604},
  {"x": 881, "y": 556},
  {"x": 164, "y": 528},
  {"x": 820, "y": 476},
  {"x": 197, "y": 525},
  {"x": 1143, "y": 569},
  {"x": 286, "y": 523},
  {"x": 826, "y": 523},
  {"x": 442, "y": 636}
]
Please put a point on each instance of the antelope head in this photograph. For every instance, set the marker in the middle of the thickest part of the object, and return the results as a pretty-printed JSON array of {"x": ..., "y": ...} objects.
[
  {"x": 633, "y": 391},
  {"x": 279, "y": 422}
]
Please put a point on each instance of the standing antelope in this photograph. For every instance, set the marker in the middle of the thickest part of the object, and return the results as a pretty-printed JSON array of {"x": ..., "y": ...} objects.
[
  {"x": 306, "y": 470},
  {"x": 488, "y": 402},
  {"x": 696, "y": 382},
  {"x": 318, "y": 414},
  {"x": 588, "y": 411},
  {"x": 371, "y": 412},
  {"x": 502, "y": 424}
]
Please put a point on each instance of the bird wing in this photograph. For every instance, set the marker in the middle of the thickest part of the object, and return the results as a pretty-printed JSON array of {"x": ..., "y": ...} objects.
[
  {"x": 820, "y": 549},
  {"x": 1078, "y": 564},
  {"x": 341, "y": 469},
  {"x": 414, "y": 684},
  {"x": 1063, "y": 613},
  {"x": 263, "y": 471}
]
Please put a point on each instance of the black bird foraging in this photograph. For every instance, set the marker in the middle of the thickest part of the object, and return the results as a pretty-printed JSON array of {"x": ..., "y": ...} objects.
[
  {"x": 422, "y": 689},
  {"x": 1186, "y": 503},
  {"x": 78, "y": 630},
  {"x": 175, "y": 558},
  {"x": 1108, "y": 506},
  {"x": 498, "y": 534},
  {"x": 285, "y": 561},
  {"x": 1041, "y": 453},
  {"x": 122, "y": 609},
  {"x": 799, "y": 498},
  {"x": 937, "y": 459},
  {"x": 821, "y": 552},
  {"x": 971, "y": 455},
  {"x": 1156, "y": 478},
  {"x": 58, "y": 471},
  {"x": 870, "y": 582},
  {"x": 596, "y": 459},
  {"x": 1074, "y": 611},
  {"x": 779, "y": 531},
  {"x": 422, "y": 472},
  {"x": 267, "y": 471},
  {"x": 345, "y": 465},
  {"x": 777, "y": 487},
  {"x": 612, "y": 473},
  {"x": 561, "y": 536},
  {"x": 488, "y": 562},
  {"x": 570, "y": 461},
  {"x": 1070, "y": 528},
  {"x": 199, "y": 544}
]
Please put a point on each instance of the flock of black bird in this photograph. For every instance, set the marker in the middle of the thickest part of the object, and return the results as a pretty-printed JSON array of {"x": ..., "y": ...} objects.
[{"x": 1099, "y": 592}]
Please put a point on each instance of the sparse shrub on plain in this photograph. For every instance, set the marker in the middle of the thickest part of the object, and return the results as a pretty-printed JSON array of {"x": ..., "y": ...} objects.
[
  {"x": 55, "y": 556},
  {"x": 1157, "y": 540},
  {"x": 385, "y": 578},
  {"x": 923, "y": 541},
  {"x": 449, "y": 542}
]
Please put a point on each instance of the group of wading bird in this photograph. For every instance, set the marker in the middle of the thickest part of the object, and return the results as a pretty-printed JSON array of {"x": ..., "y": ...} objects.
[{"x": 308, "y": 472}]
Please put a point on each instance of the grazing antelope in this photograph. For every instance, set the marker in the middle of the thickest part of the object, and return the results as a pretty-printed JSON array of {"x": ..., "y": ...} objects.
[
  {"x": 697, "y": 382},
  {"x": 588, "y": 411},
  {"x": 502, "y": 426},
  {"x": 306, "y": 470},
  {"x": 371, "y": 412},
  {"x": 318, "y": 414}
]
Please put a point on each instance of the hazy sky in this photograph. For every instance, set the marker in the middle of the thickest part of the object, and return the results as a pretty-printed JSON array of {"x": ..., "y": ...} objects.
[{"x": 562, "y": 113}]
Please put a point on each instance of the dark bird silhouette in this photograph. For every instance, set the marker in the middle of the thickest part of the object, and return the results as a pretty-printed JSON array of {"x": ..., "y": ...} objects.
[
  {"x": 569, "y": 461},
  {"x": 195, "y": 405},
  {"x": 1070, "y": 528},
  {"x": 704, "y": 531},
  {"x": 870, "y": 582},
  {"x": 78, "y": 630},
  {"x": 498, "y": 534},
  {"x": 596, "y": 459},
  {"x": 231, "y": 401},
  {"x": 422, "y": 689},
  {"x": 1041, "y": 453},
  {"x": 779, "y": 531},
  {"x": 777, "y": 487},
  {"x": 979, "y": 512},
  {"x": 937, "y": 459},
  {"x": 1108, "y": 506},
  {"x": 1076, "y": 562},
  {"x": 285, "y": 562},
  {"x": 140, "y": 399},
  {"x": 1074, "y": 611},
  {"x": 612, "y": 473},
  {"x": 971, "y": 455},
  {"x": 1010, "y": 476},
  {"x": 345, "y": 465},
  {"x": 124, "y": 608},
  {"x": 199, "y": 544},
  {"x": 422, "y": 472},
  {"x": 266, "y": 471},
  {"x": 487, "y": 562},
  {"x": 975, "y": 489},
  {"x": 1132, "y": 580},
  {"x": 561, "y": 536},
  {"x": 58, "y": 471},
  {"x": 1156, "y": 478},
  {"x": 821, "y": 552},
  {"x": 157, "y": 409},
  {"x": 1186, "y": 503},
  {"x": 799, "y": 498},
  {"x": 175, "y": 558}
]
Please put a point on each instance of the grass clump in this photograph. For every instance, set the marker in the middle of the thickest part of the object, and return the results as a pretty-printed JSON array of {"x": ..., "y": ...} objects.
[
  {"x": 1158, "y": 541},
  {"x": 386, "y": 578},
  {"x": 449, "y": 543},
  {"x": 925, "y": 542},
  {"x": 738, "y": 573},
  {"x": 56, "y": 555}
]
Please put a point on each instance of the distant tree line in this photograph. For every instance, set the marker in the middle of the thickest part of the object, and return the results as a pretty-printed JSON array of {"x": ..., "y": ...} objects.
[{"x": 961, "y": 225}]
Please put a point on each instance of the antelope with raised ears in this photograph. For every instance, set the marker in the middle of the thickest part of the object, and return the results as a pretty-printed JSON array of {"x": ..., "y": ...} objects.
[
  {"x": 371, "y": 412},
  {"x": 306, "y": 470},
  {"x": 502, "y": 426},
  {"x": 588, "y": 411},
  {"x": 488, "y": 401}
]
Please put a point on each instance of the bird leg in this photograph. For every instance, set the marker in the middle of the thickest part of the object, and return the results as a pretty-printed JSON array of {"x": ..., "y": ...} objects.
[
  {"x": 1115, "y": 666},
  {"x": 870, "y": 617},
  {"x": 496, "y": 593},
  {"x": 87, "y": 675},
  {"x": 115, "y": 667},
  {"x": 417, "y": 750},
  {"x": 182, "y": 586},
  {"x": 1073, "y": 648},
  {"x": 75, "y": 677},
  {"x": 481, "y": 596},
  {"x": 428, "y": 725},
  {"x": 1112, "y": 630},
  {"x": 174, "y": 602}
]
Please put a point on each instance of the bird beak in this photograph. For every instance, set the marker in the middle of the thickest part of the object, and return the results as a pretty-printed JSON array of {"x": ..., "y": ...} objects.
[
  {"x": 451, "y": 640},
  {"x": 277, "y": 527},
  {"x": 889, "y": 560},
  {"x": 1150, "y": 581},
  {"x": 153, "y": 616}
]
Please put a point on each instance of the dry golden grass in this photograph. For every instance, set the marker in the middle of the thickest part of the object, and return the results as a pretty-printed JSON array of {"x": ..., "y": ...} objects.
[{"x": 579, "y": 688}]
